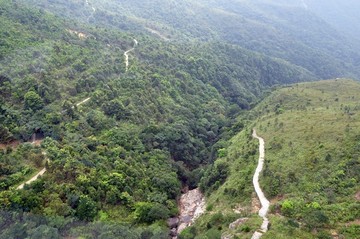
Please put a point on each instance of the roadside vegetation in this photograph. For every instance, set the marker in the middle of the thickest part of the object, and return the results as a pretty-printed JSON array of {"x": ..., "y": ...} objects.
[{"x": 311, "y": 133}]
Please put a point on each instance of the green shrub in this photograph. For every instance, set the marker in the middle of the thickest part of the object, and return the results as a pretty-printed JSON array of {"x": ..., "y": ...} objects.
[{"x": 146, "y": 212}]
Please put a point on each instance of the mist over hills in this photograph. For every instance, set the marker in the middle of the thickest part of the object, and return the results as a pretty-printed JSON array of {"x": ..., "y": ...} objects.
[
  {"x": 282, "y": 30},
  {"x": 341, "y": 14}
]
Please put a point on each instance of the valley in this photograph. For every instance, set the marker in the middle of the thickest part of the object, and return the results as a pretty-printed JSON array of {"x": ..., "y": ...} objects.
[{"x": 154, "y": 118}]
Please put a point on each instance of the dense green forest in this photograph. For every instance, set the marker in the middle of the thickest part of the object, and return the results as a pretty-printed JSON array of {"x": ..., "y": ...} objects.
[
  {"x": 286, "y": 31},
  {"x": 119, "y": 145}
]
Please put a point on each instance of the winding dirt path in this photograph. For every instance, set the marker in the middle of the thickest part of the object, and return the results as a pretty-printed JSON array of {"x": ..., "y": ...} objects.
[
  {"x": 36, "y": 176},
  {"x": 263, "y": 200},
  {"x": 84, "y": 101},
  {"x": 42, "y": 171},
  {"x": 126, "y": 54}
]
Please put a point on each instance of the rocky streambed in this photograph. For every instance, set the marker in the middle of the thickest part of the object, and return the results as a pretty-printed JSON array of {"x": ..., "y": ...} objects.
[{"x": 191, "y": 206}]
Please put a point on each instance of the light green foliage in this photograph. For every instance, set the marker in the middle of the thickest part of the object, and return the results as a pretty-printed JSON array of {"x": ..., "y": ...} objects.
[
  {"x": 312, "y": 150},
  {"x": 222, "y": 153},
  {"x": 287, "y": 208},
  {"x": 311, "y": 160},
  {"x": 33, "y": 101}
]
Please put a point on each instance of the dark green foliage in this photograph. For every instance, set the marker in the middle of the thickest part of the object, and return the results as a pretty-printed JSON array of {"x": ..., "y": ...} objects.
[
  {"x": 281, "y": 30},
  {"x": 188, "y": 233},
  {"x": 26, "y": 225},
  {"x": 44, "y": 232},
  {"x": 315, "y": 218},
  {"x": 214, "y": 176},
  {"x": 86, "y": 208},
  {"x": 5, "y": 135},
  {"x": 15, "y": 165},
  {"x": 150, "y": 212}
]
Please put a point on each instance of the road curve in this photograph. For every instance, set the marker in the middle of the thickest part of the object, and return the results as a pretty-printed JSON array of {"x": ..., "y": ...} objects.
[
  {"x": 263, "y": 200},
  {"x": 126, "y": 54}
]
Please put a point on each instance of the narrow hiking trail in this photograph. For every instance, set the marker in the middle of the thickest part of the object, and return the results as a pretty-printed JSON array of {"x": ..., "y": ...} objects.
[
  {"x": 126, "y": 54},
  {"x": 38, "y": 142},
  {"x": 36, "y": 176},
  {"x": 263, "y": 200},
  {"x": 32, "y": 179},
  {"x": 84, "y": 101}
]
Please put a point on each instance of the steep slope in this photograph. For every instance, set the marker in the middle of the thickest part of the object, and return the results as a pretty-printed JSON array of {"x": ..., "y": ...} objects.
[
  {"x": 313, "y": 155},
  {"x": 310, "y": 175},
  {"x": 151, "y": 121}
]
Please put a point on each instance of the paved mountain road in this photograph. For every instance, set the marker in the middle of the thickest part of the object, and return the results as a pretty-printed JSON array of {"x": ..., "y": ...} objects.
[{"x": 263, "y": 200}]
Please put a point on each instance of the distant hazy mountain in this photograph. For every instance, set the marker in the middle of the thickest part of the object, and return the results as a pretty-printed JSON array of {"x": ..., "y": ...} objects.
[
  {"x": 342, "y": 14},
  {"x": 300, "y": 32}
]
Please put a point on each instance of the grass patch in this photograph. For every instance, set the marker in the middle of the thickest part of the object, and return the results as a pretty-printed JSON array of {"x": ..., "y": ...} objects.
[{"x": 312, "y": 145}]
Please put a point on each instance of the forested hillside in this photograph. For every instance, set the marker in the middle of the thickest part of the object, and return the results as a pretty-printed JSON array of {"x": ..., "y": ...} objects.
[
  {"x": 287, "y": 31},
  {"x": 127, "y": 104},
  {"x": 141, "y": 134},
  {"x": 310, "y": 176}
]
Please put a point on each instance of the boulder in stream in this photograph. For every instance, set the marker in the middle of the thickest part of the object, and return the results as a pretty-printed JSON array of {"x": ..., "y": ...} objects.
[{"x": 192, "y": 205}]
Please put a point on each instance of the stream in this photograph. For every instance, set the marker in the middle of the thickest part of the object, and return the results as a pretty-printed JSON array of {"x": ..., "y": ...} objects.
[{"x": 191, "y": 206}]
